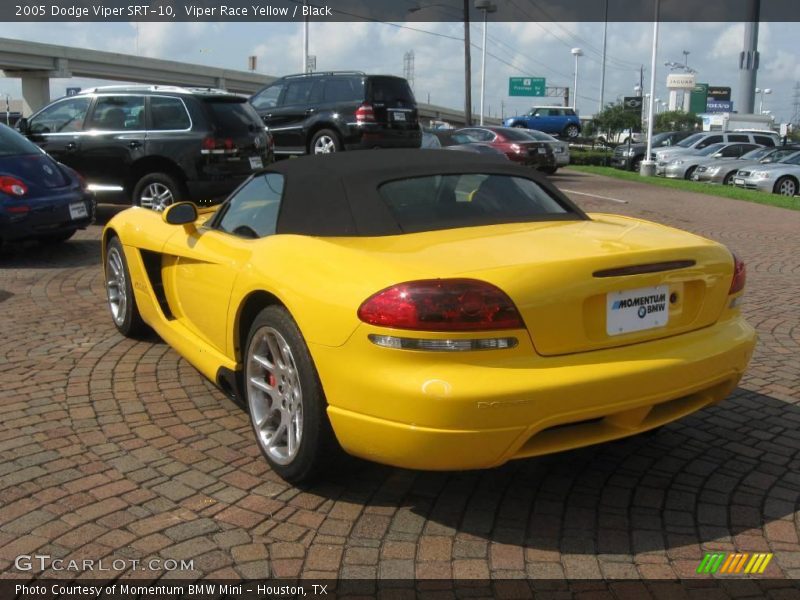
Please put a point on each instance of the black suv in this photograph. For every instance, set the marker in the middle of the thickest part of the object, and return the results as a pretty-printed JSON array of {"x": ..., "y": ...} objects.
[
  {"x": 153, "y": 145},
  {"x": 319, "y": 113}
]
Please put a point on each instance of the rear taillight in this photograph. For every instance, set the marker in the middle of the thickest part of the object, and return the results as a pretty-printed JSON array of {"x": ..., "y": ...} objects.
[
  {"x": 12, "y": 186},
  {"x": 739, "y": 275},
  {"x": 442, "y": 305},
  {"x": 212, "y": 145},
  {"x": 365, "y": 114},
  {"x": 82, "y": 181}
]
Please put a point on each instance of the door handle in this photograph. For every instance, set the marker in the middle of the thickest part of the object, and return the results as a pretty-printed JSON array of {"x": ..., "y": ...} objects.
[
  {"x": 135, "y": 144},
  {"x": 71, "y": 146}
]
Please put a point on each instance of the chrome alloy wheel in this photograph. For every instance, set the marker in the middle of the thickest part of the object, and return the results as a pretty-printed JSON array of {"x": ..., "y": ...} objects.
[
  {"x": 787, "y": 187},
  {"x": 324, "y": 144},
  {"x": 274, "y": 395},
  {"x": 116, "y": 288},
  {"x": 156, "y": 196}
]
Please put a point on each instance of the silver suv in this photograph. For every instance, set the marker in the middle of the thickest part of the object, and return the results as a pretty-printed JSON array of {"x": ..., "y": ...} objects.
[{"x": 700, "y": 140}]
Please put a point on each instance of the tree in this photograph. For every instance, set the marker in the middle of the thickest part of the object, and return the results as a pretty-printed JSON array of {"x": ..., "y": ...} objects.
[
  {"x": 614, "y": 119},
  {"x": 677, "y": 120}
]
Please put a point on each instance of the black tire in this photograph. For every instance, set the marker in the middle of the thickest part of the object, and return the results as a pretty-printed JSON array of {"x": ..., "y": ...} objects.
[
  {"x": 572, "y": 131},
  {"x": 785, "y": 186},
  {"x": 689, "y": 172},
  {"x": 126, "y": 318},
  {"x": 144, "y": 191},
  {"x": 519, "y": 125},
  {"x": 57, "y": 238},
  {"x": 325, "y": 141},
  {"x": 317, "y": 445},
  {"x": 637, "y": 165},
  {"x": 548, "y": 170},
  {"x": 728, "y": 179}
]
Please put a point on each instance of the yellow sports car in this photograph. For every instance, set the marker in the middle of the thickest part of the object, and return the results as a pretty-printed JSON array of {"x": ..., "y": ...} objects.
[{"x": 430, "y": 310}]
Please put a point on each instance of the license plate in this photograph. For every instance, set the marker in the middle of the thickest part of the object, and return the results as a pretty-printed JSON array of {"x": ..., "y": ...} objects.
[
  {"x": 637, "y": 310},
  {"x": 399, "y": 116},
  {"x": 78, "y": 211},
  {"x": 542, "y": 150},
  {"x": 738, "y": 181},
  {"x": 255, "y": 162}
]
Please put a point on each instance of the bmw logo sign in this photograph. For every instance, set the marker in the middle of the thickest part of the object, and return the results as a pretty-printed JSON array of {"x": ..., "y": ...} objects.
[{"x": 642, "y": 312}]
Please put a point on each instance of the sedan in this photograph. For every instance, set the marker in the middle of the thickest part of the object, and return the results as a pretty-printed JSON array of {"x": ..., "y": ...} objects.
[
  {"x": 779, "y": 178},
  {"x": 683, "y": 166},
  {"x": 516, "y": 144},
  {"x": 722, "y": 170},
  {"x": 430, "y": 310},
  {"x": 560, "y": 149},
  {"x": 40, "y": 198},
  {"x": 460, "y": 142}
]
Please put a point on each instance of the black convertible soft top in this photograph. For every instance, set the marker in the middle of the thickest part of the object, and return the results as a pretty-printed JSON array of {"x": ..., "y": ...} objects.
[{"x": 337, "y": 194}]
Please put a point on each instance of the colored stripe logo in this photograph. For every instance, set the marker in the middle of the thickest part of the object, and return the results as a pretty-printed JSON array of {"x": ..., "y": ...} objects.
[{"x": 723, "y": 563}]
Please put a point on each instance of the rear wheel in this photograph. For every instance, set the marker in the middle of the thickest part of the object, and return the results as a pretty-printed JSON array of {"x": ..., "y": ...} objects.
[
  {"x": 158, "y": 191},
  {"x": 57, "y": 238},
  {"x": 325, "y": 141},
  {"x": 285, "y": 398},
  {"x": 786, "y": 186},
  {"x": 571, "y": 131},
  {"x": 119, "y": 292}
]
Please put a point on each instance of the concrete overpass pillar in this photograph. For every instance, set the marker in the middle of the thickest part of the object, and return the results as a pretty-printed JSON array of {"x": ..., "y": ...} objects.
[{"x": 35, "y": 93}]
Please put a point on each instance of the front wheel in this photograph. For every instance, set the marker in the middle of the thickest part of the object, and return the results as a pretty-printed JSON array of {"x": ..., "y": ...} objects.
[
  {"x": 119, "y": 292},
  {"x": 571, "y": 131},
  {"x": 729, "y": 178},
  {"x": 285, "y": 398},
  {"x": 637, "y": 165},
  {"x": 786, "y": 186},
  {"x": 689, "y": 173},
  {"x": 519, "y": 125},
  {"x": 157, "y": 191},
  {"x": 325, "y": 141}
]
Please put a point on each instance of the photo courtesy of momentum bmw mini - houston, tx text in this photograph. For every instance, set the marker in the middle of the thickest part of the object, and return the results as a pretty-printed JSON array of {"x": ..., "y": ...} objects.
[{"x": 305, "y": 299}]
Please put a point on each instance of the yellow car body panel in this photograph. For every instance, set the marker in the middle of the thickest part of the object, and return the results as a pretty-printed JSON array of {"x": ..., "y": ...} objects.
[{"x": 567, "y": 383}]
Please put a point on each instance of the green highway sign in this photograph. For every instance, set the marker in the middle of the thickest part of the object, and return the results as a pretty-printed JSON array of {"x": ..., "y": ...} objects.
[{"x": 526, "y": 86}]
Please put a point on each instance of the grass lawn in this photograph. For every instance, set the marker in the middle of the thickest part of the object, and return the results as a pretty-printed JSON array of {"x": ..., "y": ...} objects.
[{"x": 724, "y": 191}]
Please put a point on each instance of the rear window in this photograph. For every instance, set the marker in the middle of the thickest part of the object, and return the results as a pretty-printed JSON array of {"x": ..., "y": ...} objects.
[
  {"x": 14, "y": 144},
  {"x": 391, "y": 89},
  {"x": 537, "y": 135},
  {"x": 468, "y": 200},
  {"x": 233, "y": 117},
  {"x": 516, "y": 135}
]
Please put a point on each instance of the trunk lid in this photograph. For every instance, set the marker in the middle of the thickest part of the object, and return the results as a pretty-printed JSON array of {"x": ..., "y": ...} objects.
[
  {"x": 36, "y": 170},
  {"x": 572, "y": 281}
]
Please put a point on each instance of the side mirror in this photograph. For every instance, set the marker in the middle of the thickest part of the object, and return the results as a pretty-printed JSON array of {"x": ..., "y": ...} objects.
[
  {"x": 717, "y": 155},
  {"x": 182, "y": 213},
  {"x": 23, "y": 126}
]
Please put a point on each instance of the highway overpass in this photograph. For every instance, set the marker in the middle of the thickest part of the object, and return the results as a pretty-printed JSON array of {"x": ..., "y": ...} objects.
[{"x": 35, "y": 64}]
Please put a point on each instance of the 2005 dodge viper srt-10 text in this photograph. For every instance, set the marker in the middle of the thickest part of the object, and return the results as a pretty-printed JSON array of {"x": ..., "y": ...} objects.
[{"x": 430, "y": 310}]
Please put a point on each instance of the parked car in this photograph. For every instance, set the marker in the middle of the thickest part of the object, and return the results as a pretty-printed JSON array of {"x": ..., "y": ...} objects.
[
  {"x": 721, "y": 171},
  {"x": 152, "y": 145},
  {"x": 700, "y": 140},
  {"x": 549, "y": 119},
  {"x": 779, "y": 178},
  {"x": 683, "y": 166},
  {"x": 622, "y": 137},
  {"x": 560, "y": 149},
  {"x": 39, "y": 198},
  {"x": 517, "y": 145},
  {"x": 497, "y": 320},
  {"x": 461, "y": 142},
  {"x": 321, "y": 113},
  {"x": 630, "y": 156}
]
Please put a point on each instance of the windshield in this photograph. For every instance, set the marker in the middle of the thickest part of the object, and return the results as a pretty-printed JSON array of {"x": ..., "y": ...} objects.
[
  {"x": 786, "y": 155},
  {"x": 757, "y": 154},
  {"x": 686, "y": 143},
  {"x": 660, "y": 138},
  {"x": 14, "y": 144},
  {"x": 708, "y": 150},
  {"x": 468, "y": 200}
]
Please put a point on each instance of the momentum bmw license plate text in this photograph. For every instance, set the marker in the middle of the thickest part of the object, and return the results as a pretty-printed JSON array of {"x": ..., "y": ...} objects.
[{"x": 637, "y": 310}]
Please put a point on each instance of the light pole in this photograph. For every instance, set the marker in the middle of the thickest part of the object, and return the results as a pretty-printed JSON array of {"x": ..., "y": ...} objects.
[
  {"x": 305, "y": 38},
  {"x": 763, "y": 91},
  {"x": 487, "y": 7},
  {"x": 603, "y": 65},
  {"x": 648, "y": 164},
  {"x": 467, "y": 57},
  {"x": 577, "y": 53}
]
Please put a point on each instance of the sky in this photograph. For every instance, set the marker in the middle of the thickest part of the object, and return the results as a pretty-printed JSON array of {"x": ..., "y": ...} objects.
[{"x": 513, "y": 50}]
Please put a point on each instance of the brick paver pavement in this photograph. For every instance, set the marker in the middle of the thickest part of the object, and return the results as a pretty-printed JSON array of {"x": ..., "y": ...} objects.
[{"x": 112, "y": 448}]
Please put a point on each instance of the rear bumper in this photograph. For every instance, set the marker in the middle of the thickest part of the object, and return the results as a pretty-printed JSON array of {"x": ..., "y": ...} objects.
[
  {"x": 365, "y": 137},
  {"x": 424, "y": 411},
  {"x": 46, "y": 218}
]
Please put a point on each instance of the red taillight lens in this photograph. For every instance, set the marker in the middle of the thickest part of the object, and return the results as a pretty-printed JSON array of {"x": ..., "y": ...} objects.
[
  {"x": 739, "y": 275},
  {"x": 82, "y": 181},
  {"x": 442, "y": 305},
  {"x": 12, "y": 186},
  {"x": 365, "y": 114},
  {"x": 209, "y": 143},
  {"x": 212, "y": 143}
]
